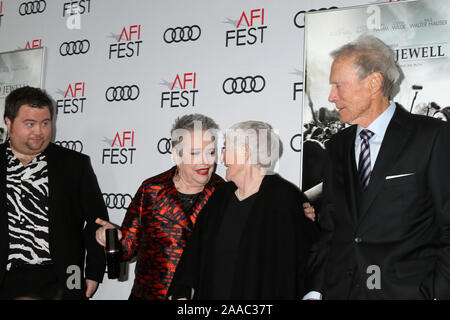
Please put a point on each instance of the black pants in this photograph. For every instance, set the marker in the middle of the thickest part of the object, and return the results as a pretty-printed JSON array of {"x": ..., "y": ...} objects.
[{"x": 31, "y": 282}]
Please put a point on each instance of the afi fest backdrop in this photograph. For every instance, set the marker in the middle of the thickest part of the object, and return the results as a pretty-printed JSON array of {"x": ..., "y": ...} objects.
[{"x": 122, "y": 71}]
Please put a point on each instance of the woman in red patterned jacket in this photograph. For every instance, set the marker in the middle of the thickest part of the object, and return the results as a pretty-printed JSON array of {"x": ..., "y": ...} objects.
[{"x": 163, "y": 212}]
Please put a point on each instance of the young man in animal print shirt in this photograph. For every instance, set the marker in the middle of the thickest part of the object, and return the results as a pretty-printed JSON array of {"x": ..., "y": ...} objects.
[{"x": 50, "y": 200}]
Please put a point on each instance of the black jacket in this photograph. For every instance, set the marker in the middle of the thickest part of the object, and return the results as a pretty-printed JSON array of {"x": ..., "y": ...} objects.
[
  {"x": 273, "y": 249},
  {"x": 75, "y": 201},
  {"x": 398, "y": 230}
]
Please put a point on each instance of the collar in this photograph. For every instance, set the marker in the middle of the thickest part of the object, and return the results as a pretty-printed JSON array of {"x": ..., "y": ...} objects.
[
  {"x": 380, "y": 124},
  {"x": 11, "y": 158}
]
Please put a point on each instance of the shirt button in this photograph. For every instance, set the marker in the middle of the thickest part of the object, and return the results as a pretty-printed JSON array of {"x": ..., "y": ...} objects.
[{"x": 358, "y": 240}]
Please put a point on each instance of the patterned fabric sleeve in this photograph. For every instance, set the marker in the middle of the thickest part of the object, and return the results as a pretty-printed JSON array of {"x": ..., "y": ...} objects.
[{"x": 132, "y": 224}]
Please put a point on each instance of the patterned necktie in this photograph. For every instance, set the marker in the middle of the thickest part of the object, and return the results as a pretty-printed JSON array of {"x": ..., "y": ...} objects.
[{"x": 364, "y": 169}]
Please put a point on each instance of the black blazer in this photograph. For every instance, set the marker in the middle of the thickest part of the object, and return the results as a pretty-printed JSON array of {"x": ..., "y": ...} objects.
[
  {"x": 273, "y": 250},
  {"x": 75, "y": 201},
  {"x": 400, "y": 224}
]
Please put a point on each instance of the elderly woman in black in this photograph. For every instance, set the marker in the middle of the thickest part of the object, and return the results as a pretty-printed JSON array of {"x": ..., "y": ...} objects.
[{"x": 252, "y": 239}]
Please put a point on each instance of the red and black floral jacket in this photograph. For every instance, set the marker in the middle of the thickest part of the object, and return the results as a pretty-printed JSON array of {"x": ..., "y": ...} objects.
[{"x": 155, "y": 230}]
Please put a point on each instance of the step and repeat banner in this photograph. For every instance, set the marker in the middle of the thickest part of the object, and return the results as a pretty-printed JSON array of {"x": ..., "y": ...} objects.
[{"x": 120, "y": 72}]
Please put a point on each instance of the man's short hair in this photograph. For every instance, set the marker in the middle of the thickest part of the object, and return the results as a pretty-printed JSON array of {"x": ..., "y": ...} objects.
[
  {"x": 372, "y": 55},
  {"x": 34, "y": 97}
]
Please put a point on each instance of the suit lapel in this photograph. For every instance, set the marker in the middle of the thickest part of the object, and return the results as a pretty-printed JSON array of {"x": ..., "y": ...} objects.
[
  {"x": 349, "y": 170},
  {"x": 54, "y": 189},
  {"x": 4, "y": 236},
  {"x": 396, "y": 136}
]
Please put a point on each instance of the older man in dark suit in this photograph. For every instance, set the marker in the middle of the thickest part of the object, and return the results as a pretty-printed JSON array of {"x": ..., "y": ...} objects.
[
  {"x": 50, "y": 199},
  {"x": 386, "y": 214}
]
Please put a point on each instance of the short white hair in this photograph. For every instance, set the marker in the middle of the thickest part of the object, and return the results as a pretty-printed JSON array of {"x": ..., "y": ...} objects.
[
  {"x": 264, "y": 144},
  {"x": 372, "y": 55}
]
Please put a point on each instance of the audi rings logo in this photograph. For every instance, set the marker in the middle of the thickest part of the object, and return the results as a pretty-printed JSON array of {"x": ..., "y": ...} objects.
[
  {"x": 164, "y": 146},
  {"x": 32, "y": 7},
  {"x": 244, "y": 84},
  {"x": 294, "y": 148},
  {"x": 299, "y": 18},
  {"x": 117, "y": 200},
  {"x": 75, "y": 145},
  {"x": 74, "y": 47},
  {"x": 178, "y": 34},
  {"x": 122, "y": 93}
]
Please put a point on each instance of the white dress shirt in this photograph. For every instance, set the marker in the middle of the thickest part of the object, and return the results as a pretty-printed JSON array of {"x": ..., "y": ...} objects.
[{"x": 378, "y": 127}]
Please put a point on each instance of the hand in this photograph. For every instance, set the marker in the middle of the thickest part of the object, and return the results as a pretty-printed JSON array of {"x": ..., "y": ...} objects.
[
  {"x": 309, "y": 211},
  {"x": 100, "y": 233},
  {"x": 91, "y": 286}
]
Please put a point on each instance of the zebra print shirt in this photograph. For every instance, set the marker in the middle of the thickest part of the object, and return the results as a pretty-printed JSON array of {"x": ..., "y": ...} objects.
[{"x": 27, "y": 206}]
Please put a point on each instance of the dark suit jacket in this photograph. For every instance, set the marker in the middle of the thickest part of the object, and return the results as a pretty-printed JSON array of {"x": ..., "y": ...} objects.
[
  {"x": 75, "y": 201},
  {"x": 273, "y": 250},
  {"x": 400, "y": 224}
]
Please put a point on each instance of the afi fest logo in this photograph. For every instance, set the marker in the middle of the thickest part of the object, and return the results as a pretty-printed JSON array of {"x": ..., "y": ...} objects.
[
  {"x": 73, "y": 11},
  {"x": 182, "y": 91},
  {"x": 249, "y": 29},
  {"x": 128, "y": 43},
  {"x": 36, "y": 43},
  {"x": 122, "y": 149},
  {"x": 74, "y": 98}
]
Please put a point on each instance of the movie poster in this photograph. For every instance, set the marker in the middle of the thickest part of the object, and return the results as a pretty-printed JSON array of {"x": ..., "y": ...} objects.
[
  {"x": 417, "y": 31},
  {"x": 17, "y": 69}
]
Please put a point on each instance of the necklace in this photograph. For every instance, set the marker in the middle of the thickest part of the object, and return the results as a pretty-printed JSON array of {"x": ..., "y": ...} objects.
[
  {"x": 188, "y": 200},
  {"x": 188, "y": 197}
]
